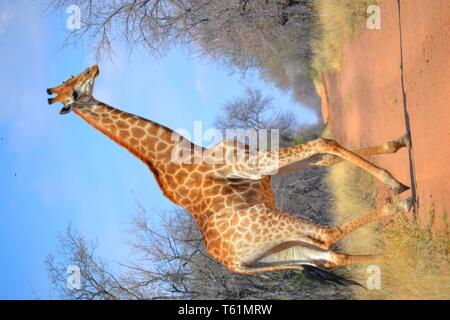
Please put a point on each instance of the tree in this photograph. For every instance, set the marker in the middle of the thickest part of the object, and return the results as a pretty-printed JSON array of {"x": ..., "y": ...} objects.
[
  {"x": 217, "y": 27},
  {"x": 253, "y": 111},
  {"x": 273, "y": 36},
  {"x": 96, "y": 281}
]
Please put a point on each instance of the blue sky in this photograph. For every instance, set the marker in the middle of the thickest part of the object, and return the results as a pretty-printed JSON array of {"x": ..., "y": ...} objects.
[{"x": 57, "y": 170}]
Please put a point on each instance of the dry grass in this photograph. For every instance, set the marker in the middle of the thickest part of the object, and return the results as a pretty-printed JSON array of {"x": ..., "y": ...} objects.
[
  {"x": 354, "y": 194},
  {"x": 416, "y": 264},
  {"x": 337, "y": 22}
]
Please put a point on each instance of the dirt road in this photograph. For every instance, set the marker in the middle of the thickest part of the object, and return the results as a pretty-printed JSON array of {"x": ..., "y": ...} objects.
[{"x": 394, "y": 79}]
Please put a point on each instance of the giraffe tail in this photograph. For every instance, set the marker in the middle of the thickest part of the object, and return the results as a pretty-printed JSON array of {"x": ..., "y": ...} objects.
[{"x": 324, "y": 276}]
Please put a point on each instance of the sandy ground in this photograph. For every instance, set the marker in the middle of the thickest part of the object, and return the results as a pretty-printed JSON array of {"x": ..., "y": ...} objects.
[{"x": 366, "y": 104}]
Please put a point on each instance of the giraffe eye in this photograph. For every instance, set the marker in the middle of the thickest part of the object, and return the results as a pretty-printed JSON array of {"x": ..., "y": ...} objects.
[{"x": 75, "y": 95}]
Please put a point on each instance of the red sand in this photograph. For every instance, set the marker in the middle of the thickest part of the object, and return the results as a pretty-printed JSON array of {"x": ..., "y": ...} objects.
[{"x": 365, "y": 100}]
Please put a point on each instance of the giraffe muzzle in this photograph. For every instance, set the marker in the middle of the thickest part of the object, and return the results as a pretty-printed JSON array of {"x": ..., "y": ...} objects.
[{"x": 66, "y": 108}]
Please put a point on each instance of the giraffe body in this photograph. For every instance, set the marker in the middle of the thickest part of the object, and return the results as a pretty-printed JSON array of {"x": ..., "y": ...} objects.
[{"x": 232, "y": 202}]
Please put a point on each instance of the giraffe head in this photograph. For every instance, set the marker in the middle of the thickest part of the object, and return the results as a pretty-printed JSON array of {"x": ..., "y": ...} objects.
[{"x": 74, "y": 88}]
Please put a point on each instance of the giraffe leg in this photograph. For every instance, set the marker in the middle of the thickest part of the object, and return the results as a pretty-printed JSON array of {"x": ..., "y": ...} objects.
[
  {"x": 294, "y": 253},
  {"x": 328, "y": 160},
  {"x": 339, "y": 259},
  {"x": 270, "y": 161},
  {"x": 334, "y": 234},
  {"x": 262, "y": 239},
  {"x": 385, "y": 148}
]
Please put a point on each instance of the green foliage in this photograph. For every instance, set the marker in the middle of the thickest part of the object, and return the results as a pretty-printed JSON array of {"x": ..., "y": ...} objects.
[{"x": 298, "y": 139}]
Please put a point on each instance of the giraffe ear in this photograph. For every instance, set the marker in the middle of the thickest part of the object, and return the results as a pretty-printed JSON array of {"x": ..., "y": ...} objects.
[{"x": 66, "y": 109}]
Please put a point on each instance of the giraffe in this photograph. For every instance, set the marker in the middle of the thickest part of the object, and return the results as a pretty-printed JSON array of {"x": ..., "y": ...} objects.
[{"x": 232, "y": 202}]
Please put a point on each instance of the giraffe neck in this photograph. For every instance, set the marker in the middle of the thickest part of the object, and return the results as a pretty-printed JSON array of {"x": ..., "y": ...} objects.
[{"x": 149, "y": 141}]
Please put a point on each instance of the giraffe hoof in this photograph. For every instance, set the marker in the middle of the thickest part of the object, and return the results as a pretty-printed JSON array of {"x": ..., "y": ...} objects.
[
  {"x": 401, "y": 188},
  {"x": 406, "y": 141},
  {"x": 49, "y": 91},
  {"x": 405, "y": 205}
]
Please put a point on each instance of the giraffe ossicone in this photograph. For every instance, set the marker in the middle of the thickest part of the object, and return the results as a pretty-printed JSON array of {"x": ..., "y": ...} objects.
[{"x": 232, "y": 202}]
